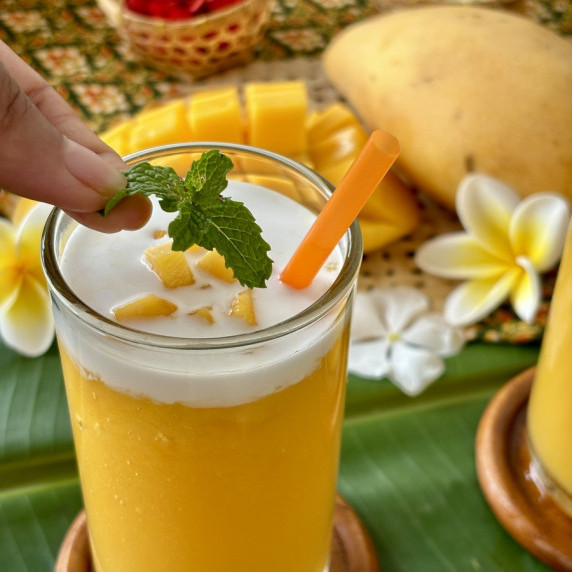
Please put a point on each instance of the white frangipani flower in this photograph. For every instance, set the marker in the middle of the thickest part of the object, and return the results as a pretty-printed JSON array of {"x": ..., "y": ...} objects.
[
  {"x": 394, "y": 335},
  {"x": 26, "y": 322},
  {"x": 507, "y": 244}
]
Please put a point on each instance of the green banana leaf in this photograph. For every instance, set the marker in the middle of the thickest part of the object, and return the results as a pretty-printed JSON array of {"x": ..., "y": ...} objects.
[{"x": 407, "y": 466}]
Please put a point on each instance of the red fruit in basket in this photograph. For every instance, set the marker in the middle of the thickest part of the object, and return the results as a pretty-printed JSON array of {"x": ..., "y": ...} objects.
[{"x": 176, "y": 9}]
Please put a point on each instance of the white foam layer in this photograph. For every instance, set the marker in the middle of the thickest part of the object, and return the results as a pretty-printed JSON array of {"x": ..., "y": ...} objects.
[{"x": 106, "y": 270}]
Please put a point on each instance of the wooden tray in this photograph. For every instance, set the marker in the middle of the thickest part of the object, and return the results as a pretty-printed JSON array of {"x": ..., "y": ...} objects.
[
  {"x": 503, "y": 468},
  {"x": 352, "y": 548}
]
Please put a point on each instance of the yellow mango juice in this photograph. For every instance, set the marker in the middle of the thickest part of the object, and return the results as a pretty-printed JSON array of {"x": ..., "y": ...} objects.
[
  {"x": 549, "y": 414},
  {"x": 164, "y": 483},
  {"x": 205, "y": 445}
]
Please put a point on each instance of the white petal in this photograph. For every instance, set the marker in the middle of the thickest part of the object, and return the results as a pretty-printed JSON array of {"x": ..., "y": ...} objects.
[
  {"x": 459, "y": 256},
  {"x": 434, "y": 333},
  {"x": 35, "y": 220},
  {"x": 538, "y": 229},
  {"x": 413, "y": 369},
  {"x": 369, "y": 359},
  {"x": 398, "y": 306},
  {"x": 474, "y": 300},
  {"x": 365, "y": 324},
  {"x": 527, "y": 293},
  {"x": 27, "y": 326},
  {"x": 485, "y": 207}
]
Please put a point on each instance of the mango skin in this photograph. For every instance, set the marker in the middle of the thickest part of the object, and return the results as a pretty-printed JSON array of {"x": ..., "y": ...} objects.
[{"x": 464, "y": 89}]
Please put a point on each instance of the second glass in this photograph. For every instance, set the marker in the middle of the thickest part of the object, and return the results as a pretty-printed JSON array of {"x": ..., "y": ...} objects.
[{"x": 549, "y": 415}]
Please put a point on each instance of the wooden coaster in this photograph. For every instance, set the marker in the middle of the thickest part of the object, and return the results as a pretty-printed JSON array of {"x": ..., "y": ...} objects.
[
  {"x": 352, "y": 548},
  {"x": 503, "y": 468}
]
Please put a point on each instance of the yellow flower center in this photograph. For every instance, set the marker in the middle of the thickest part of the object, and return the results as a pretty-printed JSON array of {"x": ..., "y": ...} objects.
[{"x": 393, "y": 337}]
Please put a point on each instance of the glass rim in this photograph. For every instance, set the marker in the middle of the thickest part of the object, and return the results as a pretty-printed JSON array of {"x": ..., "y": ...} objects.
[{"x": 336, "y": 292}]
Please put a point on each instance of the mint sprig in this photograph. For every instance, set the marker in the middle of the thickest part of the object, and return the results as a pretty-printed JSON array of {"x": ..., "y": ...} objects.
[{"x": 205, "y": 217}]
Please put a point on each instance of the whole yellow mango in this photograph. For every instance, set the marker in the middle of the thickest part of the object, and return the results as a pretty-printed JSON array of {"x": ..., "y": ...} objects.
[{"x": 463, "y": 89}]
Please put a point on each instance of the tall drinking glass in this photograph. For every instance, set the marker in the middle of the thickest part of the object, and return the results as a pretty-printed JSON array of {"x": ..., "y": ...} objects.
[
  {"x": 549, "y": 415},
  {"x": 215, "y": 453}
]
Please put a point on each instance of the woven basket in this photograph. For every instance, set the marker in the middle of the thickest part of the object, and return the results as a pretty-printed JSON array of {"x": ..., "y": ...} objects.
[{"x": 196, "y": 47}]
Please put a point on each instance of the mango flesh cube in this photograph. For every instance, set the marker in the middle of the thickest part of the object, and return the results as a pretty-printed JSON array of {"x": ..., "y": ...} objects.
[
  {"x": 161, "y": 126},
  {"x": 393, "y": 201},
  {"x": 305, "y": 159},
  {"x": 243, "y": 307},
  {"x": 276, "y": 115},
  {"x": 334, "y": 172},
  {"x": 148, "y": 306},
  {"x": 347, "y": 142},
  {"x": 214, "y": 263},
  {"x": 216, "y": 116},
  {"x": 170, "y": 266},
  {"x": 322, "y": 124},
  {"x": 205, "y": 313},
  {"x": 119, "y": 138}
]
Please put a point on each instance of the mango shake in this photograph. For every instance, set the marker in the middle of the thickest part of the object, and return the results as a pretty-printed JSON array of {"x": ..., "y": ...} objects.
[
  {"x": 207, "y": 438},
  {"x": 549, "y": 415}
]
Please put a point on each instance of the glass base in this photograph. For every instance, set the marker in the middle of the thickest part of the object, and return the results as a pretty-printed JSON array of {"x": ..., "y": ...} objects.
[
  {"x": 509, "y": 479},
  {"x": 546, "y": 484}
]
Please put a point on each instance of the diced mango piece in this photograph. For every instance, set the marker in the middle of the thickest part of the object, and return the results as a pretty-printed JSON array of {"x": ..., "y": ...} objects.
[
  {"x": 391, "y": 212},
  {"x": 214, "y": 263},
  {"x": 194, "y": 248},
  {"x": 347, "y": 142},
  {"x": 243, "y": 307},
  {"x": 148, "y": 306},
  {"x": 276, "y": 113},
  {"x": 334, "y": 172},
  {"x": 119, "y": 137},
  {"x": 393, "y": 200},
  {"x": 216, "y": 115},
  {"x": 169, "y": 265},
  {"x": 305, "y": 159},
  {"x": 161, "y": 126},
  {"x": 332, "y": 119},
  {"x": 205, "y": 313}
]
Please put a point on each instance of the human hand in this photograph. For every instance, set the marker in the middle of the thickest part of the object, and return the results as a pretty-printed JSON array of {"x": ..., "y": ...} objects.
[{"x": 48, "y": 154}]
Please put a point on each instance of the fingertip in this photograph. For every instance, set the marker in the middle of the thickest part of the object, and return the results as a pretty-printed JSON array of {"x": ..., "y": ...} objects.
[{"x": 131, "y": 213}]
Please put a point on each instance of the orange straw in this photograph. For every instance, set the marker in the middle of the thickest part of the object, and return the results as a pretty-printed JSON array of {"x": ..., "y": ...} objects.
[{"x": 361, "y": 179}]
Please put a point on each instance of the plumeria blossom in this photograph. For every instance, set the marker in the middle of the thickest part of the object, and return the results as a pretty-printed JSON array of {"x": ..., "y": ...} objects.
[
  {"x": 506, "y": 245},
  {"x": 395, "y": 335},
  {"x": 26, "y": 322}
]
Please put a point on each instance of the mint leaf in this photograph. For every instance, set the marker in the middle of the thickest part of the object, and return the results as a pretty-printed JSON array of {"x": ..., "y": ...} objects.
[
  {"x": 230, "y": 229},
  {"x": 206, "y": 178},
  {"x": 146, "y": 179},
  {"x": 204, "y": 216}
]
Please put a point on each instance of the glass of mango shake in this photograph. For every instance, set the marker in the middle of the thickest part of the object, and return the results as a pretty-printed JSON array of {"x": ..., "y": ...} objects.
[
  {"x": 549, "y": 414},
  {"x": 206, "y": 416}
]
